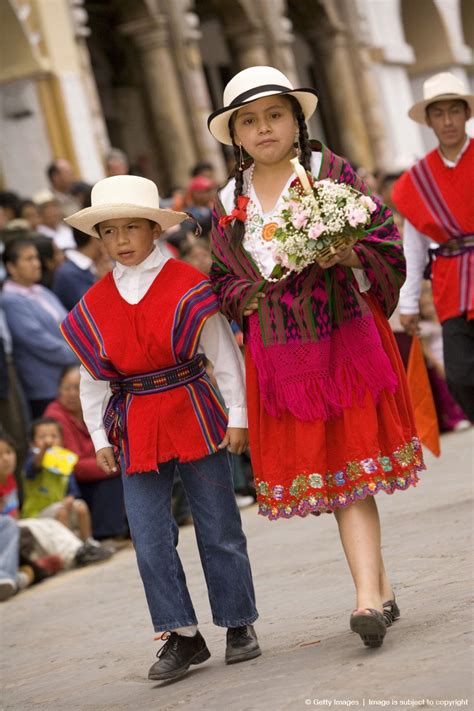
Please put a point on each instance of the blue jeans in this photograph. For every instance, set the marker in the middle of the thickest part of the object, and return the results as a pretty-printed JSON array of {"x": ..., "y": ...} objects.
[
  {"x": 221, "y": 542},
  {"x": 9, "y": 548}
]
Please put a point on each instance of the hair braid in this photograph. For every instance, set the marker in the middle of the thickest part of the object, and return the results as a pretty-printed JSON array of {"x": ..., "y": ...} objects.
[
  {"x": 238, "y": 228},
  {"x": 305, "y": 145}
]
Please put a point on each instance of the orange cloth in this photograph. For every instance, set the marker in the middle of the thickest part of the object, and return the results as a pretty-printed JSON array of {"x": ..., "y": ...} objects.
[{"x": 422, "y": 399}]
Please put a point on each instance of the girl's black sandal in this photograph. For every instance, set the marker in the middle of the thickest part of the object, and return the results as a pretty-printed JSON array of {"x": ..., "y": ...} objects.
[
  {"x": 371, "y": 628},
  {"x": 391, "y": 612}
]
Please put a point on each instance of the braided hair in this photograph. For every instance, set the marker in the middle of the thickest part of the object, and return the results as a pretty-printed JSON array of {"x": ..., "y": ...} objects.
[{"x": 238, "y": 227}]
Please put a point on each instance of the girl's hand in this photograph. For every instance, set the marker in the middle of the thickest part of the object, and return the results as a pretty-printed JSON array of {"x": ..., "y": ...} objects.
[
  {"x": 345, "y": 257},
  {"x": 253, "y": 304},
  {"x": 236, "y": 440},
  {"x": 106, "y": 460}
]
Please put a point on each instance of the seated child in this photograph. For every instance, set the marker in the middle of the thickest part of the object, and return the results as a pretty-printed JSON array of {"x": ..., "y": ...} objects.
[
  {"x": 50, "y": 488},
  {"x": 12, "y": 578}
]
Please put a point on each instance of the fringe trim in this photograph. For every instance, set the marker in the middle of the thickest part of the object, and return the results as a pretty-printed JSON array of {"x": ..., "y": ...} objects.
[{"x": 336, "y": 372}]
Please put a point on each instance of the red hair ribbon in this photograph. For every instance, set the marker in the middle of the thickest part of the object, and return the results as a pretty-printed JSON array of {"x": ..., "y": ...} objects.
[{"x": 238, "y": 213}]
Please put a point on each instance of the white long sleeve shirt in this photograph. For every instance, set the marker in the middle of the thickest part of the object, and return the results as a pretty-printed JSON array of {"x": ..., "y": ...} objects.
[
  {"x": 216, "y": 342},
  {"x": 416, "y": 246}
]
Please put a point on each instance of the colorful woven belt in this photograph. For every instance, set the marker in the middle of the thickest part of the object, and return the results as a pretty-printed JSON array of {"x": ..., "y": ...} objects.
[
  {"x": 147, "y": 384},
  {"x": 161, "y": 380},
  {"x": 454, "y": 247}
]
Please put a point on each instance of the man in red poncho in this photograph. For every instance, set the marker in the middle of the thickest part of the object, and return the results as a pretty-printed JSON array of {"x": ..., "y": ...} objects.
[{"x": 435, "y": 197}]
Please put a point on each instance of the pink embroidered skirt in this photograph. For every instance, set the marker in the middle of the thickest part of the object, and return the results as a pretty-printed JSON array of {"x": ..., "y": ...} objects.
[{"x": 318, "y": 466}]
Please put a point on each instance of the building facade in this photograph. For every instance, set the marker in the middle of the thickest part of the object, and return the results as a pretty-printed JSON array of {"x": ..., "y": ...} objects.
[{"x": 80, "y": 75}]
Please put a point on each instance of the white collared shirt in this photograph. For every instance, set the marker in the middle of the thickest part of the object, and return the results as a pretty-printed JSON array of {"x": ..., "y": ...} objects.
[
  {"x": 80, "y": 260},
  {"x": 62, "y": 235},
  {"x": 217, "y": 342},
  {"x": 415, "y": 247}
]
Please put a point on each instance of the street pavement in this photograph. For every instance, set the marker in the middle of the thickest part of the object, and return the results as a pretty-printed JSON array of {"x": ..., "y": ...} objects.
[{"x": 83, "y": 640}]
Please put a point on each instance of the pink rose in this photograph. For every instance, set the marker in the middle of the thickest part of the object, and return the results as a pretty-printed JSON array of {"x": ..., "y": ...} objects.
[
  {"x": 316, "y": 230},
  {"x": 357, "y": 216},
  {"x": 367, "y": 202},
  {"x": 299, "y": 219}
]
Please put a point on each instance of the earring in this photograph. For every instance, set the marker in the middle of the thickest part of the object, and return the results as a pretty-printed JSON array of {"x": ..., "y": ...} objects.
[{"x": 241, "y": 158}]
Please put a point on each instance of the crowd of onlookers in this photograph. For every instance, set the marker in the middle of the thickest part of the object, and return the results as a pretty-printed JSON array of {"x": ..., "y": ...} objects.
[{"x": 57, "y": 507}]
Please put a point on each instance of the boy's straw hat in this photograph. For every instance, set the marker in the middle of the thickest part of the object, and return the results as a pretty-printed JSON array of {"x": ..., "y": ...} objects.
[
  {"x": 252, "y": 84},
  {"x": 123, "y": 196},
  {"x": 440, "y": 87}
]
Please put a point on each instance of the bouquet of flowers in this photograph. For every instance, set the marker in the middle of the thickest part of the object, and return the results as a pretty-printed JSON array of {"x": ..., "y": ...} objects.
[{"x": 317, "y": 220}]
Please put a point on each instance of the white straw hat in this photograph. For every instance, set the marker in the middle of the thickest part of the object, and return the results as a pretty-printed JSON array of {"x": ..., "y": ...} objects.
[
  {"x": 252, "y": 84},
  {"x": 123, "y": 196},
  {"x": 440, "y": 87}
]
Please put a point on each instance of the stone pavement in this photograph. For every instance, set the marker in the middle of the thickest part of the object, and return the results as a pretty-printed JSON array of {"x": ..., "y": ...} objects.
[{"x": 83, "y": 640}]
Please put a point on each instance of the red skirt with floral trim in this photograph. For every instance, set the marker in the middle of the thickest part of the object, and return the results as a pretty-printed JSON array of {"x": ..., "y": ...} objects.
[{"x": 307, "y": 467}]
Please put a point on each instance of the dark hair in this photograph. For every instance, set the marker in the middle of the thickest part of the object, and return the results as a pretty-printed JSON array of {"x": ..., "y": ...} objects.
[
  {"x": 200, "y": 167},
  {"x": 238, "y": 228},
  {"x": 151, "y": 222},
  {"x": 14, "y": 248},
  {"x": 52, "y": 170},
  {"x": 67, "y": 369},
  {"x": 453, "y": 99},
  {"x": 81, "y": 238},
  {"x": 10, "y": 201},
  {"x": 5, "y": 437},
  {"x": 44, "y": 421}
]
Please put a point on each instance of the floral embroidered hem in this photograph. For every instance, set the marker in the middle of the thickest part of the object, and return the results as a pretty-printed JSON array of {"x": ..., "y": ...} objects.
[{"x": 317, "y": 493}]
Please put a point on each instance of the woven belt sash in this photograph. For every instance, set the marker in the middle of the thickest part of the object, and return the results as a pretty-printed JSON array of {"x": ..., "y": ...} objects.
[
  {"x": 454, "y": 247},
  {"x": 147, "y": 384}
]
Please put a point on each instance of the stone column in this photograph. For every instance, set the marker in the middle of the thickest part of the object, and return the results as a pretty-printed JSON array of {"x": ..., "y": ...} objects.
[
  {"x": 280, "y": 38},
  {"x": 184, "y": 27},
  {"x": 332, "y": 52},
  {"x": 173, "y": 131}
]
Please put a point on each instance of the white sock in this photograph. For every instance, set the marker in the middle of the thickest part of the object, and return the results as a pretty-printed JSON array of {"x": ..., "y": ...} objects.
[{"x": 186, "y": 631}]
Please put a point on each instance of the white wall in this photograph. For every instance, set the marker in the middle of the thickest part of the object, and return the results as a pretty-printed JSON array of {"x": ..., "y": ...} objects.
[{"x": 24, "y": 146}]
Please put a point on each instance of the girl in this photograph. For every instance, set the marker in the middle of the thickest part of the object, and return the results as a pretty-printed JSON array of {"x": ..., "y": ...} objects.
[{"x": 330, "y": 421}]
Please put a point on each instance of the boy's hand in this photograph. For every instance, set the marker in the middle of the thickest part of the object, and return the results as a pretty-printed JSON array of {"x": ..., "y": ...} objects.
[
  {"x": 236, "y": 440},
  {"x": 410, "y": 323},
  {"x": 106, "y": 460}
]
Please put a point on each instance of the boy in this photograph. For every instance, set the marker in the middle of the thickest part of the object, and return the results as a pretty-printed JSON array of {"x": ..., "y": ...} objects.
[
  {"x": 50, "y": 488},
  {"x": 435, "y": 197},
  {"x": 140, "y": 332}
]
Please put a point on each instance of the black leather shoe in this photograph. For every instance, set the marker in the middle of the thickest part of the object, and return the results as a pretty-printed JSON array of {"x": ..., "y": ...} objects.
[
  {"x": 242, "y": 644},
  {"x": 177, "y": 655}
]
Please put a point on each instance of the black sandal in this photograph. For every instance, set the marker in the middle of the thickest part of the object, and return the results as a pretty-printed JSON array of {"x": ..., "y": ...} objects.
[
  {"x": 391, "y": 612},
  {"x": 372, "y": 628}
]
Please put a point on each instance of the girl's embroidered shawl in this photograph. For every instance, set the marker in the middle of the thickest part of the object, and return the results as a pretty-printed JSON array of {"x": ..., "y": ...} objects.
[{"x": 314, "y": 341}]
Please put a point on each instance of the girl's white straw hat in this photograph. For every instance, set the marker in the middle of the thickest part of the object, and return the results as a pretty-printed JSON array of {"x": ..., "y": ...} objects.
[
  {"x": 123, "y": 196},
  {"x": 440, "y": 87},
  {"x": 252, "y": 84}
]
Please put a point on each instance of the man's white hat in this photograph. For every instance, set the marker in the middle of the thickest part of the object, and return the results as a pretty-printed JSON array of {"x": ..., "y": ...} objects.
[
  {"x": 252, "y": 84},
  {"x": 123, "y": 196},
  {"x": 440, "y": 87}
]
